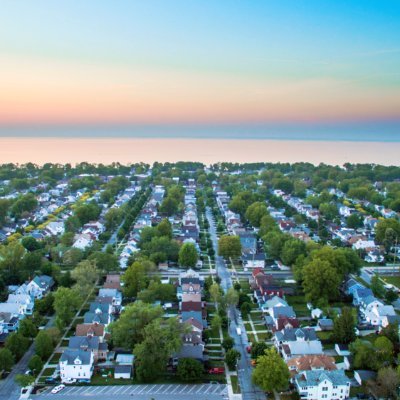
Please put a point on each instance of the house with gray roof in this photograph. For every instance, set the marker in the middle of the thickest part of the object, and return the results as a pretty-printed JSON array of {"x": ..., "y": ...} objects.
[
  {"x": 328, "y": 385},
  {"x": 76, "y": 364}
]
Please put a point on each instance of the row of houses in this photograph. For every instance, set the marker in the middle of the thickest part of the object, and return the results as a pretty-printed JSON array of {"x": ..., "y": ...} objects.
[
  {"x": 314, "y": 374},
  {"x": 88, "y": 347},
  {"x": 21, "y": 302}
]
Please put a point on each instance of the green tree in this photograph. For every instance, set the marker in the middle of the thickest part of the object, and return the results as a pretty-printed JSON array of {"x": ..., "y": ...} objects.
[
  {"x": 189, "y": 370},
  {"x": 135, "y": 279},
  {"x": 188, "y": 255},
  {"x": 255, "y": 212},
  {"x": 6, "y": 360},
  {"x": 169, "y": 206},
  {"x": 161, "y": 339},
  {"x": 363, "y": 354},
  {"x": 30, "y": 243},
  {"x": 271, "y": 372},
  {"x": 25, "y": 203},
  {"x": 35, "y": 364},
  {"x": 383, "y": 351},
  {"x": 228, "y": 343},
  {"x": 113, "y": 218},
  {"x": 291, "y": 249},
  {"x": 24, "y": 380},
  {"x": 387, "y": 383},
  {"x": 11, "y": 257},
  {"x": 258, "y": 349},
  {"x": 27, "y": 328},
  {"x": 215, "y": 292},
  {"x": 320, "y": 281},
  {"x": 343, "y": 327},
  {"x": 232, "y": 297},
  {"x": 17, "y": 344},
  {"x": 381, "y": 230},
  {"x": 164, "y": 228},
  {"x": 274, "y": 242},
  {"x": 66, "y": 304},
  {"x": 354, "y": 221},
  {"x": 229, "y": 247},
  {"x": 129, "y": 329},
  {"x": 87, "y": 212},
  {"x": 4, "y": 208},
  {"x": 105, "y": 262},
  {"x": 231, "y": 358},
  {"x": 377, "y": 286},
  {"x": 85, "y": 274},
  {"x": 44, "y": 345},
  {"x": 245, "y": 309}
]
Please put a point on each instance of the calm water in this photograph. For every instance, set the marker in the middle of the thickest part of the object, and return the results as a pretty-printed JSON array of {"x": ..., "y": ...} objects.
[{"x": 125, "y": 150}]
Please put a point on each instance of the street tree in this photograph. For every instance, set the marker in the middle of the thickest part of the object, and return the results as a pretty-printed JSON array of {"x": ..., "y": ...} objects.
[
  {"x": 231, "y": 297},
  {"x": 6, "y": 359},
  {"x": 271, "y": 372},
  {"x": 27, "y": 328},
  {"x": 44, "y": 345},
  {"x": 85, "y": 275},
  {"x": 66, "y": 304},
  {"x": 255, "y": 212},
  {"x": 229, "y": 247},
  {"x": 35, "y": 364},
  {"x": 135, "y": 279},
  {"x": 188, "y": 255},
  {"x": 231, "y": 358},
  {"x": 17, "y": 344}
]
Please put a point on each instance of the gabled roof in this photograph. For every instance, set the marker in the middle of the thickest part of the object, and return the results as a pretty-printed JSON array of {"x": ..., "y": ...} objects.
[
  {"x": 314, "y": 378},
  {"x": 84, "y": 342},
  {"x": 89, "y": 330},
  {"x": 44, "y": 281},
  {"x": 71, "y": 356}
]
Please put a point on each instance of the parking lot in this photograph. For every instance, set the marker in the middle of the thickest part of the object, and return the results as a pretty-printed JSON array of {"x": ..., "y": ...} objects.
[{"x": 156, "y": 392}]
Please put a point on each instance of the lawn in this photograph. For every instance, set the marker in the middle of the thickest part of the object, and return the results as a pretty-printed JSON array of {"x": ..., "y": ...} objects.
[
  {"x": 263, "y": 336},
  {"x": 56, "y": 357},
  {"x": 324, "y": 335},
  {"x": 260, "y": 327},
  {"x": 48, "y": 371},
  {"x": 393, "y": 280},
  {"x": 235, "y": 384},
  {"x": 247, "y": 325}
]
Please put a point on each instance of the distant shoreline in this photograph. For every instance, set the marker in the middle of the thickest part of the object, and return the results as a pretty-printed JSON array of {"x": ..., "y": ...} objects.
[{"x": 209, "y": 151}]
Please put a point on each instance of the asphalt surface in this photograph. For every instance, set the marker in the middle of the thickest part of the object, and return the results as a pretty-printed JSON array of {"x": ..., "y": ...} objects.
[
  {"x": 141, "y": 392},
  {"x": 248, "y": 390},
  {"x": 9, "y": 389}
]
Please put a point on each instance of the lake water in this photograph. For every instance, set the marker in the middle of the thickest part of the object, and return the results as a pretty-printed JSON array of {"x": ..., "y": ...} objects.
[{"x": 127, "y": 149}]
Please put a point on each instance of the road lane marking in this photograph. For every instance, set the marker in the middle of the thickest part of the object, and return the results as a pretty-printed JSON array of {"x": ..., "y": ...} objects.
[{"x": 184, "y": 388}]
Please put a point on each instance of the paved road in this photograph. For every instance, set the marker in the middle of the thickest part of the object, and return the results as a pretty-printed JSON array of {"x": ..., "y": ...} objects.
[
  {"x": 9, "y": 389},
  {"x": 140, "y": 392},
  {"x": 249, "y": 391}
]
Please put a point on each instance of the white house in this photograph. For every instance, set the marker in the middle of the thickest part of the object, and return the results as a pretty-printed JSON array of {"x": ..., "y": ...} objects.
[
  {"x": 328, "y": 385},
  {"x": 82, "y": 241},
  {"x": 15, "y": 309},
  {"x": 55, "y": 228},
  {"x": 24, "y": 300},
  {"x": 38, "y": 287},
  {"x": 76, "y": 364}
]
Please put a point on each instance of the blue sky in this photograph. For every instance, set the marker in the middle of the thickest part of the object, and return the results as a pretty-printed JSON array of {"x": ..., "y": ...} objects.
[{"x": 192, "y": 61}]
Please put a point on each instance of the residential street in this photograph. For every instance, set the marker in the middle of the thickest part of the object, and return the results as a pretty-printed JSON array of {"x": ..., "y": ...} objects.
[
  {"x": 9, "y": 390},
  {"x": 248, "y": 390}
]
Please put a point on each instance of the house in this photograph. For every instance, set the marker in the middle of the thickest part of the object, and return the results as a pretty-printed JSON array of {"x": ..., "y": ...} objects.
[
  {"x": 123, "y": 372},
  {"x": 22, "y": 299},
  {"x": 15, "y": 309},
  {"x": 82, "y": 241},
  {"x": 285, "y": 323},
  {"x": 113, "y": 281},
  {"x": 325, "y": 324},
  {"x": 76, "y": 364},
  {"x": 282, "y": 311},
  {"x": 342, "y": 349},
  {"x": 89, "y": 343},
  {"x": 39, "y": 286},
  {"x": 8, "y": 322},
  {"x": 275, "y": 301},
  {"x": 360, "y": 294},
  {"x": 363, "y": 376},
  {"x": 289, "y": 335},
  {"x": 311, "y": 363},
  {"x": 317, "y": 385},
  {"x": 125, "y": 359},
  {"x": 301, "y": 348},
  {"x": 253, "y": 260},
  {"x": 115, "y": 295},
  {"x": 91, "y": 330},
  {"x": 262, "y": 283}
]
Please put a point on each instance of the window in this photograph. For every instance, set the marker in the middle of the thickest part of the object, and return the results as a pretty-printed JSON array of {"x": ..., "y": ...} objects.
[
  {"x": 325, "y": 389},
  {"x": 324, "y": 396}
]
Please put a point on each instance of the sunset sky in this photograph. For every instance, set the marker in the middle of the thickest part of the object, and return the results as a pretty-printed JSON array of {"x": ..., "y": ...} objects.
[{"x": 209, "y": 61}]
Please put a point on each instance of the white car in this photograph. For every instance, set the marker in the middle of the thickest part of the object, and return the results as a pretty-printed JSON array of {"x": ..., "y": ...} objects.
[
  {"x": 69, "y": 380},
  {"x": 58, "y": 389}
]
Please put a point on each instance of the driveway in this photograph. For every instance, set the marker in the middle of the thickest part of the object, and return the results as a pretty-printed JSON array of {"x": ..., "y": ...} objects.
[{"x": 141, "y": 392}]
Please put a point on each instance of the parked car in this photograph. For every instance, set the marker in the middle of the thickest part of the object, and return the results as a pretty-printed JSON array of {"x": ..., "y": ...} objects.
[
  {"x": 216, "y": 370},
  {"x": 58, "y": 389},
  {"x": 69, "y": 380}
]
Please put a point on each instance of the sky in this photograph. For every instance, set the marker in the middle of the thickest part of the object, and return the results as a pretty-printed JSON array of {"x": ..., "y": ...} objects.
[{"x": 97, "y": 62}]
